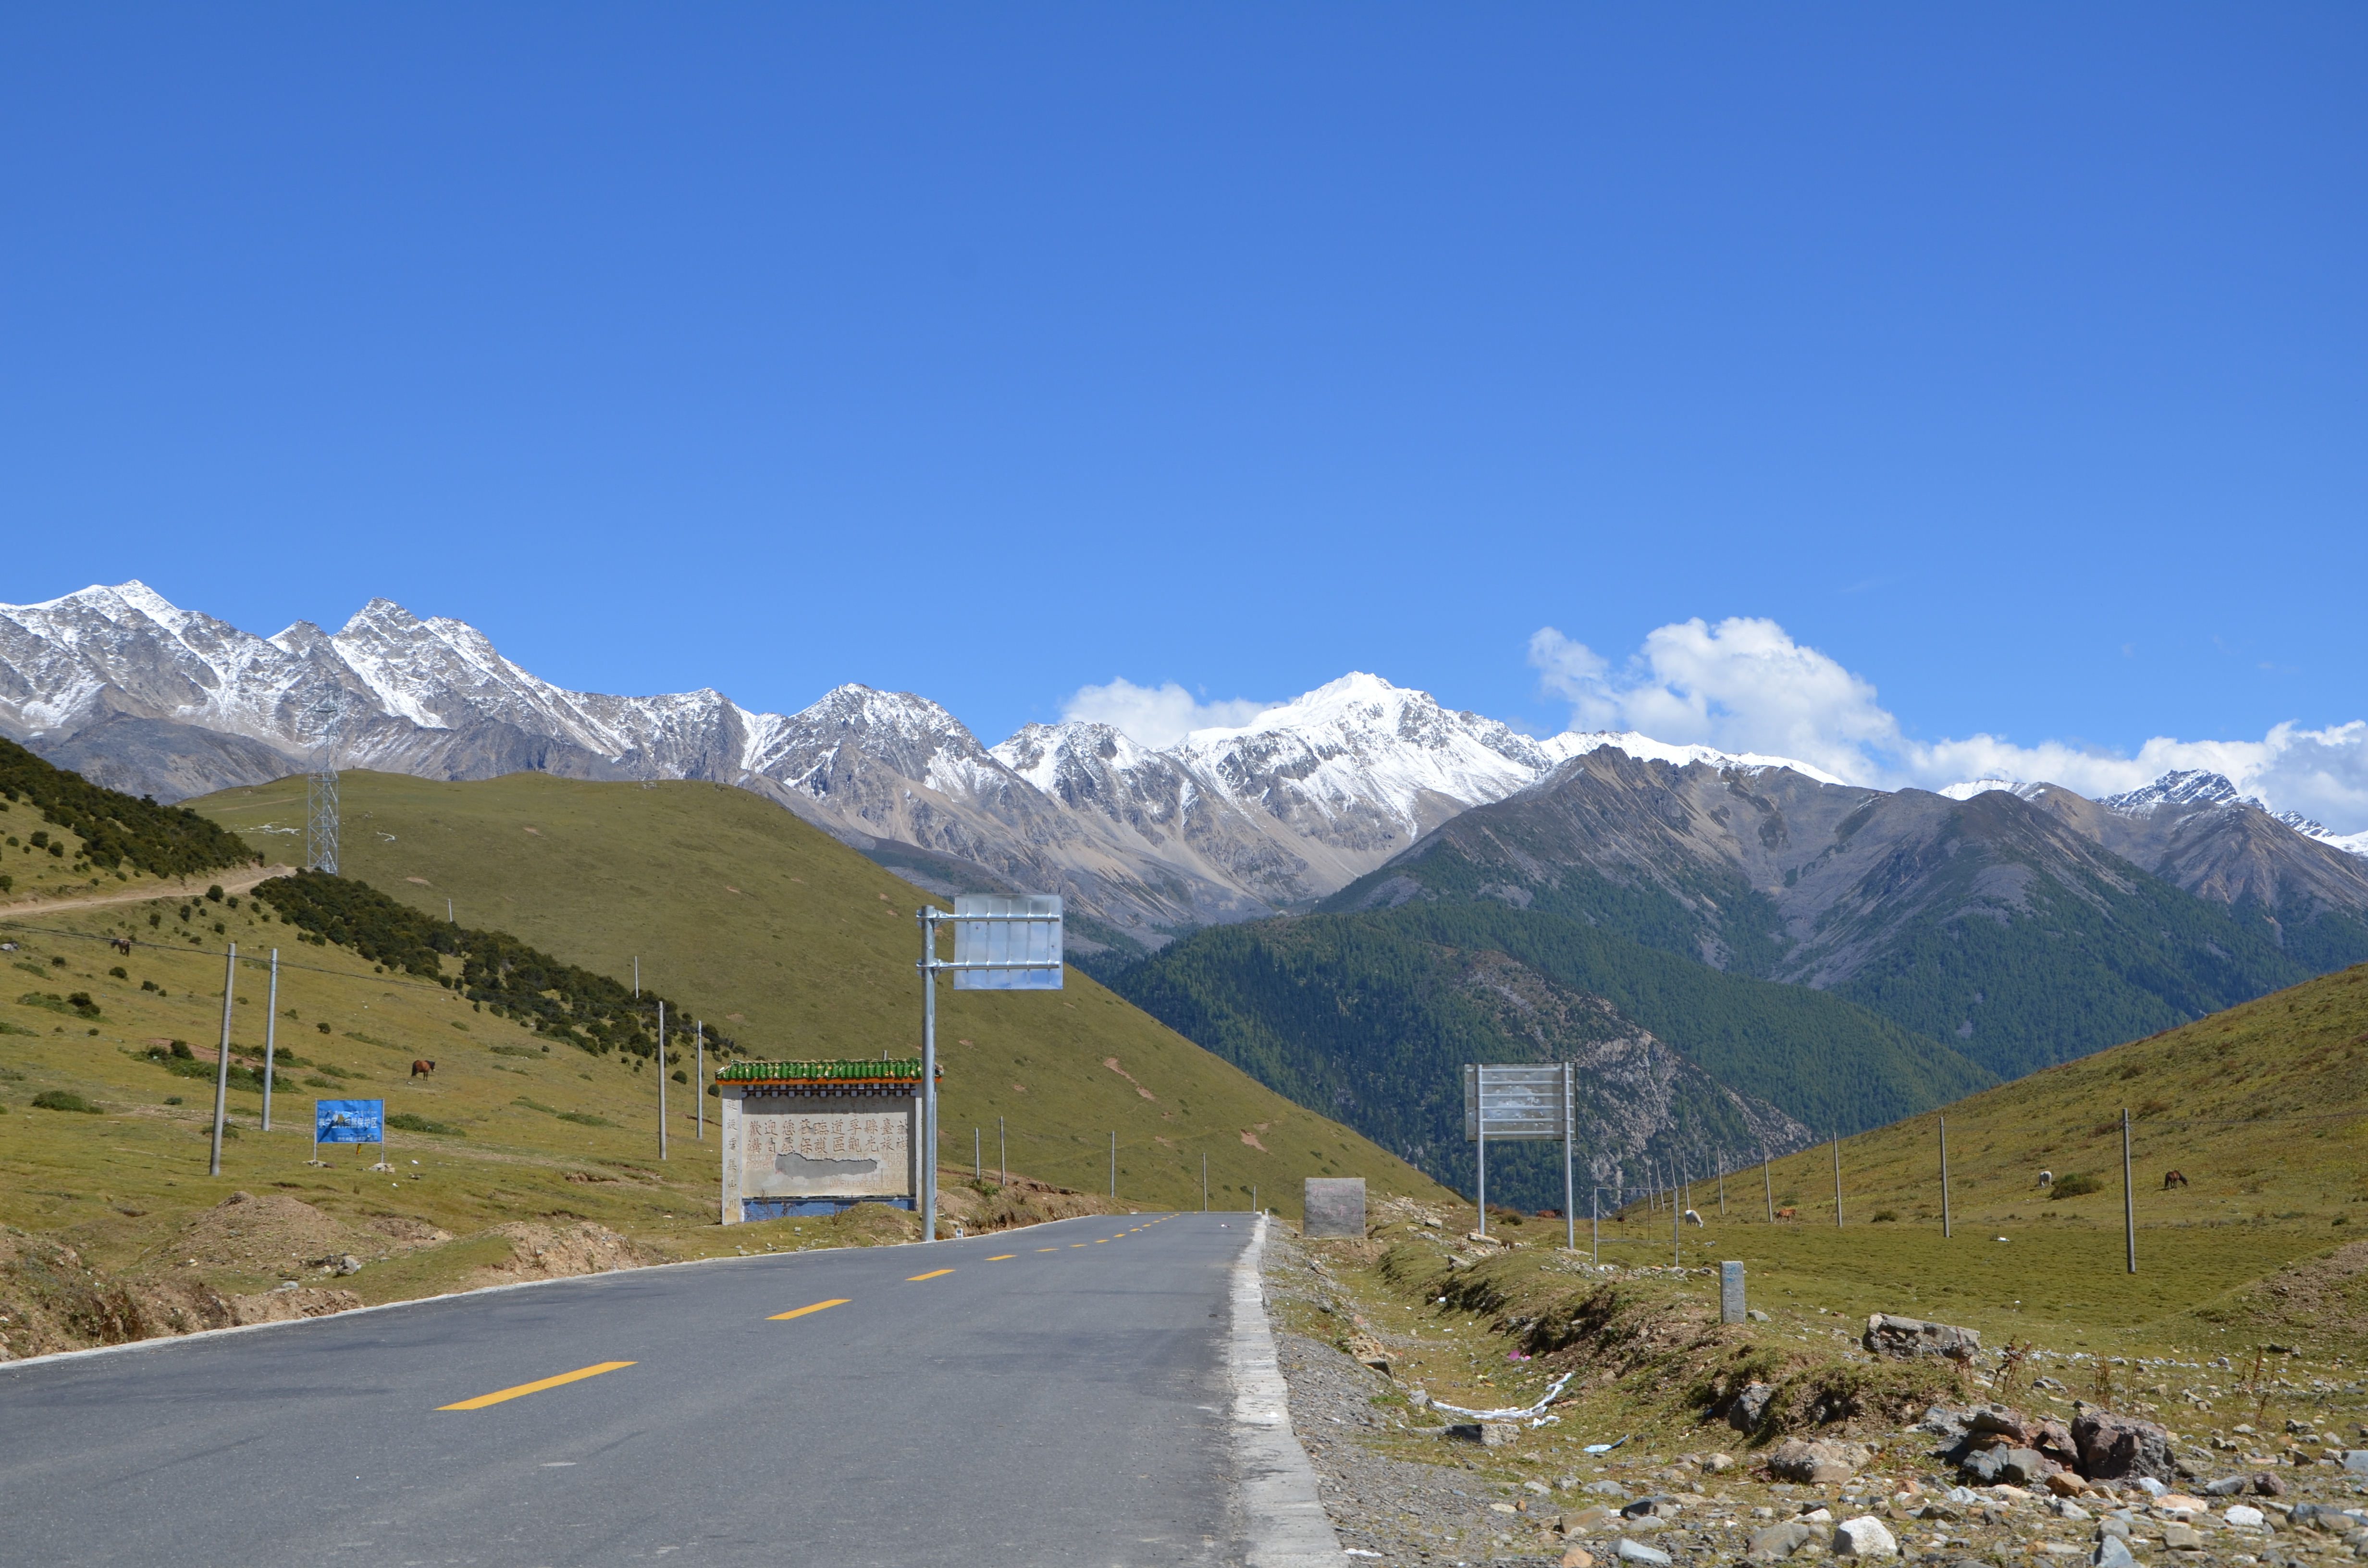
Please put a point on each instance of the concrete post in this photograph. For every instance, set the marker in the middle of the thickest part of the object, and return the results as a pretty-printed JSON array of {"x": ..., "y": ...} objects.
[{"x": 1730, "y": 1292}]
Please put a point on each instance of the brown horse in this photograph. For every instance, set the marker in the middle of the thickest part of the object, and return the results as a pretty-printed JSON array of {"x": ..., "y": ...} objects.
[
  {"x": 2174, "y": 1178},
  {"x": 422, "y": 1068}
]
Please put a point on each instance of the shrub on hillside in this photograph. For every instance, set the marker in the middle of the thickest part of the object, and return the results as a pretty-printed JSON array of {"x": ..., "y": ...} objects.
[
  {"x": 116, "y": 829},
  {"x": 62, "y": 1099},
  {"x": 499, "y": 973},
  {"x": 2073, "y": 1186}
]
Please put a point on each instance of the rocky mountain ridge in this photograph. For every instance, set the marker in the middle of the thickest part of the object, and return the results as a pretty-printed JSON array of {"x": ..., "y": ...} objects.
[
  {"x": 138, "y": 694},
  {"x": 2025, "y": 925}
]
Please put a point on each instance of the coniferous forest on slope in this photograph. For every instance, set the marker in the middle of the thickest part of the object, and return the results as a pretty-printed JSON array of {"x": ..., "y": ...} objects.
[{"x": 1363, "y": 1017}]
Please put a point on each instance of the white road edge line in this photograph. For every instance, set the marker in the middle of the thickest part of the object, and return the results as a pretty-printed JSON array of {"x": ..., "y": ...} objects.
[{"x": 1285, "y": 1523}]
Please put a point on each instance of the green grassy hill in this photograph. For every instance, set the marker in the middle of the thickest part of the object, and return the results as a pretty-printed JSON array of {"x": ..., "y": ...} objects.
[
  {"x": 2262, "y": 1107},
  {"x": 798, "y": 947},
  {"x": 524, "y": 1154}
]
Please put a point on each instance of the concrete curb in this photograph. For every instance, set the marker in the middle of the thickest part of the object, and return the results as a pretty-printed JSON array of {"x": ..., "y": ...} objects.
[{"x": 1285, "y": 1523}]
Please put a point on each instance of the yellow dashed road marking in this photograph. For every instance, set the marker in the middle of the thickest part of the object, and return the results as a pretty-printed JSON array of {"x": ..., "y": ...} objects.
[
  {"x": 483, "y": 1400},
  {"x": 1003, "y": 1257},
  {"x": 932, "y": 1274},
  {"x": 801, "y": 1312}
]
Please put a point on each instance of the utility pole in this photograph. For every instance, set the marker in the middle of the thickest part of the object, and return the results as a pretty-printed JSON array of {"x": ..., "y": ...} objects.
[
  {"x": 1205, "y": 1181},
  {"x": 270, "y": 1032},
  {"x": 662, "y": 1149},
  {"x": 221, "y": 1062},
  {"x": 447, "y": 914},
  {"x": 1721, "y": 1187},
  {"x": 977, "y": 1158},
  {"x": 2129, "y": 1197},
  {"x": 698, "y": 1078},
  {"x": 1114, "y": 1165},
  {"x": 1002, "y": 1156},
  {"x": 1677, "y": 1224},
  {"x": 1838, "y": 1181},
  {"x": 1769, "y": 1183},
  {"x": 637, "y": 977},
  {"x": 1944, "y": 1178}
]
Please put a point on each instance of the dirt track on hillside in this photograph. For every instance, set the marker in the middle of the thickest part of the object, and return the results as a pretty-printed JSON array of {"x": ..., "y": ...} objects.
[{"x": 234, "y": 882}]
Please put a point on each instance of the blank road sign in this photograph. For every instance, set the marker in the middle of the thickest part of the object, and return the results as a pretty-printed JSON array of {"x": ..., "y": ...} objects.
[
  {"x": 1515, "y": 1102},
  {"x": 1016, "y": 932}
]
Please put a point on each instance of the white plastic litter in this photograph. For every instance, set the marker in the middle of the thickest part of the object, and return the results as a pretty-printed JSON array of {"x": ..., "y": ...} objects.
[{"x": 1512, "y": 1414}]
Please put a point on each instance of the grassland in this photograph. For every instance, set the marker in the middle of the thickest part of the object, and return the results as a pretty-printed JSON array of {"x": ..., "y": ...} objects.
[
  {"x": 521, "y": 1158},
  {"x": 802, "y": 947},
  {"x": 2251, "y": 1265}
]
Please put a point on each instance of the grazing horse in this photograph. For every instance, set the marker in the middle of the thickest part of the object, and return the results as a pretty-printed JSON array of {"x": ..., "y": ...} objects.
[
  {"x": 122, "y": 945},
  {"x": 423, "y": 1068},
  {"x": 1692, "y": 1218},
  {"x": 2174, "y": 1178},
  {"x": 2047, "y": 1178},
  {"x": 1787, "y": 1214}
]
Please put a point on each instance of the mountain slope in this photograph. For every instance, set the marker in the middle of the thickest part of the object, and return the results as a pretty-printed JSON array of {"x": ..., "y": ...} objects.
[
  {"x": 807, "y": 948},
  {"x": 1994, "y": 923},
  {"x": 1371, "y": 1017}
]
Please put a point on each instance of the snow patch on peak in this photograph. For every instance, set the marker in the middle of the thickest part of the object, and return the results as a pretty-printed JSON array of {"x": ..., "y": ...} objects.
[
  {"x": 1972, "y": 786},
  {"x": 1645, "y": 748}
]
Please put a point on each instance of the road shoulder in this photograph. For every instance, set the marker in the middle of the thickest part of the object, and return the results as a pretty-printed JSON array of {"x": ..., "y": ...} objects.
[{"x": 1283, "y": 1521}]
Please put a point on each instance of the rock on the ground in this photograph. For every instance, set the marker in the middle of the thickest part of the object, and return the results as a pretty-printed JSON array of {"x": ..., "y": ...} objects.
[
  {"x": 1578, "y": 1557},
  {"x": 1487, "y": 1434},
  {"x": 2113, "y": 1551},
  {"x": 1863, "y": 1537},
  {"x": 1637, "y": 1552},
  {"x": 2243, "y": 1516},
  {"x": 1779, "y": 1541},
  {"x": 1801, "y": 1459},
  {"x": 1905, "y": 1340},
  {"x": 1749, "y": 1407},
  {"x": 2114, "y": 1447},
  {"x": 2182, "y": 1537}
]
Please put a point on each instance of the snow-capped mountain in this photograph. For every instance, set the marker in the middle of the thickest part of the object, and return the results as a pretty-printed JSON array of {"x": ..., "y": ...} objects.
[{"x": 139, "y": 694}]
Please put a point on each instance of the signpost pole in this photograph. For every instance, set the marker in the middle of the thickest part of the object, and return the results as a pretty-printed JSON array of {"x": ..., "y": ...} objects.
[
  {"x": 1480, "y": 1125},
  {"x": 1569, "y": 1192},
  {"x": 270, "y": 1031},
  {"x": 221, "y": 1064},
  {"x": 927, "y": 1173}
]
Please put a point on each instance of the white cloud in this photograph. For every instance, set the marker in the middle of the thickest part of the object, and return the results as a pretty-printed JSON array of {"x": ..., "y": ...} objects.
[
  {"x": 1155, "y": 716},
  {"x": 1745, "y": 684}
]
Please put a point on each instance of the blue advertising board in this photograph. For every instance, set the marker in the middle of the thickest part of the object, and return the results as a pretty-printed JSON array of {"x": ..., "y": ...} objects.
[{"x": 349, "y": 1121}]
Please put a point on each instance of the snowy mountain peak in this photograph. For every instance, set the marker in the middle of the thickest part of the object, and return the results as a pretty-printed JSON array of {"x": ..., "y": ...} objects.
[
  {"x": 1972, "y": 786},
  {"x": 2186, "y": 787},
  {"x": 1645, "y": 748}
]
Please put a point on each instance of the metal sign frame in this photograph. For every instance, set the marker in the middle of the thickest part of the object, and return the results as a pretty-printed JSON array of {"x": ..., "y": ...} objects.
[
  {"x": 1513, "y": 1103},
  {"x": 992, "y": 927}
]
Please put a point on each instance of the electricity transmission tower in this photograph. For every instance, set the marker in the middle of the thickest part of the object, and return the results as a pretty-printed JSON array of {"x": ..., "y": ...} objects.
[{"x": 321, "y": 791}]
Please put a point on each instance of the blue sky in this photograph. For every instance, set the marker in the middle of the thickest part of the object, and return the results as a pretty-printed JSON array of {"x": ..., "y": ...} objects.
[{"x": 2011, "y": 358}]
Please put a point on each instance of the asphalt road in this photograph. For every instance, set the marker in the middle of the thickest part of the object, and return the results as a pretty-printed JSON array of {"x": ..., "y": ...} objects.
[{"x": 1054, "y": 1395}]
